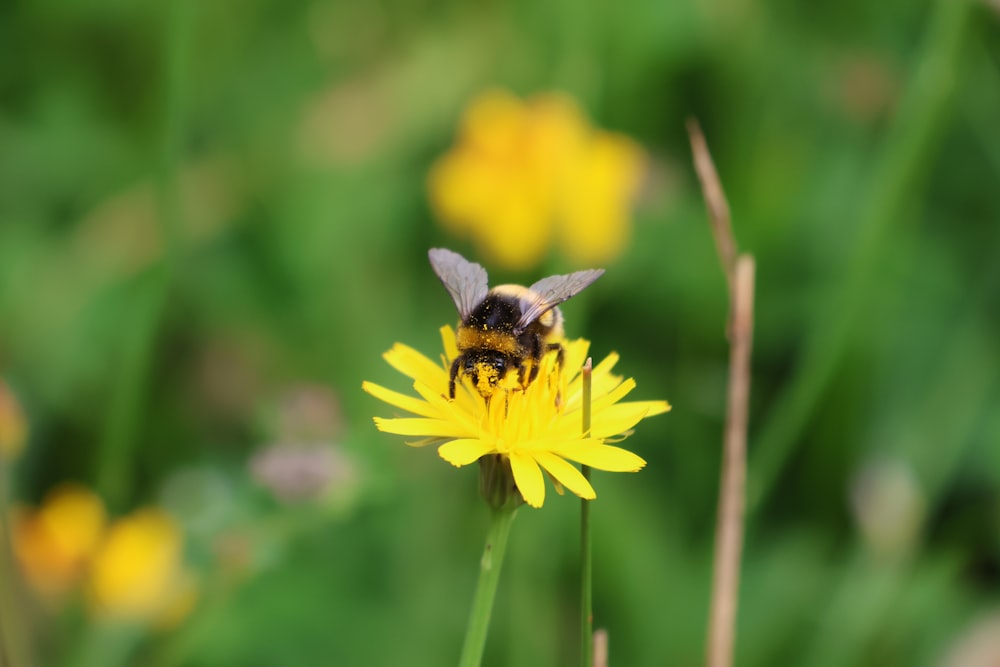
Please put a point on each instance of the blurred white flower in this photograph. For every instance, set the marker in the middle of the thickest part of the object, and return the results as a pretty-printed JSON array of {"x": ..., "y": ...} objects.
[
  {"x": 888, "y": 506},
  {"x": 303, "y": 472},
  {"x": 309, "y": 412}
]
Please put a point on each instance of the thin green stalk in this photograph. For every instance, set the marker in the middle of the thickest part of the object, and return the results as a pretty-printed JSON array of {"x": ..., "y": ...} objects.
[
  {"x": 105, "y": 643},
  {"x": 904, "y": 158},
  {"x": 129, "y": 393},
  {"x": 486, "y": 587},
  {"x": 586, "y": 556}
]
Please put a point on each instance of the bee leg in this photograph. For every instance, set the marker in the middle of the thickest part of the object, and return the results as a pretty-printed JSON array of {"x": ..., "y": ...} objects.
[
  {"x": 535, "y": 358},
  {"x": 535, "y": 366},
  {"x": 560, "y": 357},
  {"x": 526, "y": 373},
  {"x": 455, "y": 366},
  {"x": 560, "y": 352}
]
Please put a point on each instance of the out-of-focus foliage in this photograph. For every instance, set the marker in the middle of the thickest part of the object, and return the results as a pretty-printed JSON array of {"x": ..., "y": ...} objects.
[{"x": 211, "y": 210}]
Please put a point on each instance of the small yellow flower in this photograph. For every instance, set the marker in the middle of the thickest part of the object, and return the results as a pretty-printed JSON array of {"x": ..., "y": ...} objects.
[
  {"x": 137, "y": 571},
  {"x": 13, "y": 425},
  {"x": 525, "y": 175},
  {"x": 54, "y": 543},
  {"x": 539, "y": 428}
]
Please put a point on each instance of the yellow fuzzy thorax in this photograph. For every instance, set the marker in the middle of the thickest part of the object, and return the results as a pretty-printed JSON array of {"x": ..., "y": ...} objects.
[{"x": 471, "y": 338}]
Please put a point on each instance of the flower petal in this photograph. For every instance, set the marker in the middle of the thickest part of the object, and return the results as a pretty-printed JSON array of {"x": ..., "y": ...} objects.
[
  {"x": 420, "y": 426},
  {"x": 459, "y": 409},
  {"x": 448, "y": 341},
  {"x": 611, "y": 397},
  {"x": 616, "y": 419},
  {"x": 657, "y": 407},
  {"x": 602, "y": 457},
  {"x": 606, "y": 364},
  {"x": 603, "y": 382},
  {"x": 528, "y": 478},
  {"x": 414, "y": 365},
  {"x": 575, "y": 352},
  {"x": 566, "y": 474},
  {"x": 464, "y": 451},
  {"x": 402, "y": 401}
]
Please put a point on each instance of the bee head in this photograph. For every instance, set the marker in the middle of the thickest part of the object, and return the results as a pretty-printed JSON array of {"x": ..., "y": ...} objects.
[{"x": 486, "y": 370}]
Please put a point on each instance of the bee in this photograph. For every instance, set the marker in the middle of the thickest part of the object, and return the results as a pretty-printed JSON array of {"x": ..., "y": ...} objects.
[{"x": 505, "y": 328}]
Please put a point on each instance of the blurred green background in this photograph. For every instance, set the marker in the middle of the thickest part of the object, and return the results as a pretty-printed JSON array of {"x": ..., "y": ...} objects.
[{"x": 214, "y": 213}]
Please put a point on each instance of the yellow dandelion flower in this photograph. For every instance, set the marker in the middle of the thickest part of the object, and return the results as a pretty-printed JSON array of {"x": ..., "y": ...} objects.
[
  {"x": 536, "y": 429},
  {"x": 524, "y": 175}
]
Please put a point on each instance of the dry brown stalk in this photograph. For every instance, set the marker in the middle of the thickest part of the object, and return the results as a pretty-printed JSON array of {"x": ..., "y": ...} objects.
[
  {"x": 739, "y": 272},
  {"x": 715, "y": 200},
  {"x": 600, "y": 648}
]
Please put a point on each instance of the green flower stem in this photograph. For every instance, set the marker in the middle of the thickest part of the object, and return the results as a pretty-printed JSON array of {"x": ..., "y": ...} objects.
[
  {"x": 586, "y": 560},
  {"x": 106, "y": 643},
  {"x": 486, "y": 588}
]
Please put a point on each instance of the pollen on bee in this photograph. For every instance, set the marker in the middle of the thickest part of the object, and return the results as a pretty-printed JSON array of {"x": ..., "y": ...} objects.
[
  {"x": 486, "y": 378},
  {"x": 472, "y": 338}
]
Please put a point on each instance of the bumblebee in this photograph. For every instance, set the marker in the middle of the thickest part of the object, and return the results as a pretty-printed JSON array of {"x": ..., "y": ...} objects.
[{"x": 505, "y": 328}]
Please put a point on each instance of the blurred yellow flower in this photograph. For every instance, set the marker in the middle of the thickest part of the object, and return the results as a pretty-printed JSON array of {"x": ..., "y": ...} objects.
[
  {"x": 539, "y": 428},
  {"x": 131, "y": 569},
  {"x": 525, "y": 175},
  {"x": 137, "y": 570},
  {"x": 13, "y": 425},
  {"x": 54, "y": 543}
]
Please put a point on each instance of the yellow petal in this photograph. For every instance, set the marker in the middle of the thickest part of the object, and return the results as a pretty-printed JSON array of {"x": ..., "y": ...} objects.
[
  {"x": 602, "y": 382},
  {"x": 528, "y": 478},
  {"x": 452, "y": 190},
  {"x": 137, "y": 565},
  {"x": 656, "y": 407},
  {"x": 457, "y": 410},
  {"x": 606, "y": 364},
  {"x": 602, "y": 457},
  {"x": 617, "y": 419},
  {"x": 610, "y": 398},
  {"x": 448, "y": 340},
  {"x": 494, "y": 122},
  {"x": 566, "y": 474},
  {"x": 420, "y": 426},
  {"x": 575, "y": 354},
  {"x": 464, "y": 451},
  {"x": 414, "y": 365},
  {"x": 402, "y": 401}
]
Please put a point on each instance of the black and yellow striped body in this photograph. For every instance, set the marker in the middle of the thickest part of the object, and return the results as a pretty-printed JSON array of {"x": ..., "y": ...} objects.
[{"x": 490, "y": 346}]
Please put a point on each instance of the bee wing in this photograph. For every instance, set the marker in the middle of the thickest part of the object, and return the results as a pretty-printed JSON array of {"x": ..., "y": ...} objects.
[
  {"x": 465, "y": 281},
  {"x": 550, "y": 292}
]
